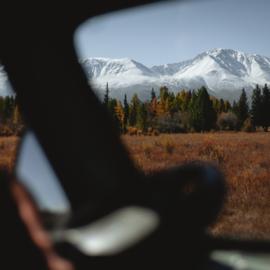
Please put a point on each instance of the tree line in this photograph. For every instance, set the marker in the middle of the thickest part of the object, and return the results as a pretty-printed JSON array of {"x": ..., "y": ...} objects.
[
  {"x": 190, "y": 111},
  {"x": 168, "y": 112}
]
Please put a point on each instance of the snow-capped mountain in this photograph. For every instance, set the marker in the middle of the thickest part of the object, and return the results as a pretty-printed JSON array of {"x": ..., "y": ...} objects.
[{"x": 223, "y": 71}]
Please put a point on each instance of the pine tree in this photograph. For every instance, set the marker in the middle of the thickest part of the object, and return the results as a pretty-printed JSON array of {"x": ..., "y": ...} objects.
[
  {"x": 106, "y": 96},
  {"x": 227, "y": 106},
  {"x": 243, "y": 110},
  {"x": 134, "y": 105},
  {"x": 256, "y": 107},
  {"x": 153, "y": 111},
  {"x": 163, "y": 97},
  {"x": 203, "y": 115},
  {"x": 153, "y": 94},
  {"x": 142, "y": 117},
  {"x": 265, "y": 108},
  {"x": 163, "y": 93},
  {"x": 221, "y": 106},
  {"x": 126, "y": 114},
  {"x": 235, "y": 108}
]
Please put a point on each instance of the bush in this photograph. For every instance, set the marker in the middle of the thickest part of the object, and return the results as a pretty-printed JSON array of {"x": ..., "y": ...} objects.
[
  {"x": 248, "y": 126},
  {"x": 169, "y": 124},
  {"x": 132, "y": 131},
  {"x": 227, "y": 121}
]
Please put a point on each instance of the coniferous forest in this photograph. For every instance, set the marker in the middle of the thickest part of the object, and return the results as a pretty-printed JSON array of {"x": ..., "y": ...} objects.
[
  {"x": 168, "y": 112},
  {"x": 189, "y": 111}
]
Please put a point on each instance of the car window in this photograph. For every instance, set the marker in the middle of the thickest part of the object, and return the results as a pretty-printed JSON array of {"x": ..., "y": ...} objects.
[{"x": 189, "y": 81}]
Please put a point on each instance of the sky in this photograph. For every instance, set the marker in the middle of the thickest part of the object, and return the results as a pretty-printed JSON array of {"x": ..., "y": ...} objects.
[{"x": 177, "y": 31}]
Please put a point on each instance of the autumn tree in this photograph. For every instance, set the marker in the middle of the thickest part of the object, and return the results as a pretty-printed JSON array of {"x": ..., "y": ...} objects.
[{"x": 120, "y": 115}]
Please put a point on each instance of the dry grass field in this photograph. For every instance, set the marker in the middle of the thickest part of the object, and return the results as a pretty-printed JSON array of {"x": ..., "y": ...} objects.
[
  {"x": 243, "y": 157},
  {"x": 8, "y": 146}
]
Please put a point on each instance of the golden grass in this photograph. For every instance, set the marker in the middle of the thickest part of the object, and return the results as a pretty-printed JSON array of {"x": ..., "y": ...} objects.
[
  {"x": 243, "y": 157},
  {"x": 8, "y": 146}
]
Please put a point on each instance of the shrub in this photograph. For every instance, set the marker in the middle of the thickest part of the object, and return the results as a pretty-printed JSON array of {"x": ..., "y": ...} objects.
[
  {"x": 169, "y": 123},
  {"x": 248, "y": 126},
  {"x": 132, "y": 131},
  {"x": 227, "y": 121}
]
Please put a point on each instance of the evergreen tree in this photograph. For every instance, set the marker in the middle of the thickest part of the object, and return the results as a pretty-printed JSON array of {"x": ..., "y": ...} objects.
[
  {"x": 221, "y": 106},
  {"x": 227, "y": 106},
  {"x": 243, "y": 110},
  {"x": 163, "y": 97},
  {"x": 203, "y": 115},
  {"x": 126, "y": 114},
  {"x": 171, "y": 104},
  {"x": 163, "y": 93},
  {"x": 153, "y": 94},
  {"x": 153, "y": 111},
  {"x": 142, "y": 117},
  {"x": 235, "y": 108},
  {"x": 106, "y": 96},
  {"x": 265, "y": 108},
  {"x": 134, "y": 105},
  {"x": 256, "y": 106}
]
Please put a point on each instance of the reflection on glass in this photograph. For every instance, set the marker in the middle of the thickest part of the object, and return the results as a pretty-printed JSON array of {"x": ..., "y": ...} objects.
[{"x": 34, "y": 171}]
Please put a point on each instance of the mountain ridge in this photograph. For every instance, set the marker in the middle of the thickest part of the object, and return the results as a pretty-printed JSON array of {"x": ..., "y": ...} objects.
[{"x": 223, "y": 71}]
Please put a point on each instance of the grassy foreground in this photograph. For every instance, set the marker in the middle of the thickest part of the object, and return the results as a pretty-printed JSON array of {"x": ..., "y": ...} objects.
[{"x": 243, "y": 157}]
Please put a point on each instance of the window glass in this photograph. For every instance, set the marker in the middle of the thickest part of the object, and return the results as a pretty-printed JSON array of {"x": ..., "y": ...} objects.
[{"x": 188, "y": 81}]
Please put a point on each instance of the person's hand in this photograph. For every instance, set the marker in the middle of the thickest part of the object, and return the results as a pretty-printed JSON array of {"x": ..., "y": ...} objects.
[{"x": 30, "y": 216}]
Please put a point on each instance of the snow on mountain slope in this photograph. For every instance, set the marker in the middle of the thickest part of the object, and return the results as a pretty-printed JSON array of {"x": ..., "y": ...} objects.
[{"x": 223, "y": 71}]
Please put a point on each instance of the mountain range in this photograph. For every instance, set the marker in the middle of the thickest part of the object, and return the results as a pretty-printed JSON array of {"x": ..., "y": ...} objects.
[{"x": 224, "y": 72}]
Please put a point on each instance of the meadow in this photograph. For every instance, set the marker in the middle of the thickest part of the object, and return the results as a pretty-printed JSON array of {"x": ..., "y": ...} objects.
[{"x": 244, "y": 158}]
